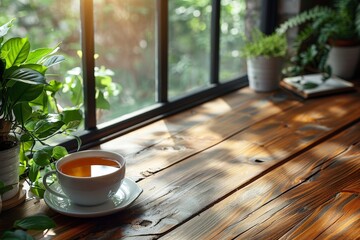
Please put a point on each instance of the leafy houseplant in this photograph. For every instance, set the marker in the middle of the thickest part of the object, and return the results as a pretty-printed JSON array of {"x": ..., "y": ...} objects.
[
  {"x": 29, "y": 112},
  {"x": 264, "y": 55},
  {"x": 259, "y": 44},
  {"x": 325, "y": 28}
]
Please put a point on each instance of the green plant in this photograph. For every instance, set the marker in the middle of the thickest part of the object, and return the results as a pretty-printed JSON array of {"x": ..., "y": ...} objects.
[
  {"x": 104, "y": 86},
  {"x": 35, "y": 222},
  {"x": 322, "y": 25},
  {"x": 105, "y": 89},
  {"x": 343, "y": 22},
  {"x": 259, "y": 44},
  {"x": 29, "y": 112}
]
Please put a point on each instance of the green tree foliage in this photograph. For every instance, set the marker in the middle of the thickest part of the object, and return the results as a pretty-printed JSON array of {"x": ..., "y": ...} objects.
[{"x": 125, "y": 41}]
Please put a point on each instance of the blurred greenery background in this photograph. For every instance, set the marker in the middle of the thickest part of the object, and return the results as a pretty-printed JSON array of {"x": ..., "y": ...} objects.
[{"x": 125, "y": 37}]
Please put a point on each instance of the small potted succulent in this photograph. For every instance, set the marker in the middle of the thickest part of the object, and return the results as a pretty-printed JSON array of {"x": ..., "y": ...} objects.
[
  {"x": 29, "y": 113},
  {"x": 265, "y": 55}
]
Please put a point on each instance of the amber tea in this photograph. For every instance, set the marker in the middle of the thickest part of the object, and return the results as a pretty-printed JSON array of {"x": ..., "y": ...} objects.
[{"x": 89, "y": 167}]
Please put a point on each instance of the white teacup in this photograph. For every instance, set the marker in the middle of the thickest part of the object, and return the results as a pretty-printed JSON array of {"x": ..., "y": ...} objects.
[{"x": 88, "y": 177}]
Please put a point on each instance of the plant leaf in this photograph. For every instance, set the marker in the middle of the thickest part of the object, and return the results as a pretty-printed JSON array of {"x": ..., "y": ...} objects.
[
  {"x": 41, "y": 101},
  {"x": 22, "y": 92},
  {"x": 101, "y": 102},
  {"x": 2, "y": 67},
  {"x": 53, "y": 60},
  {"x": 59, "y": 152},
  {"x": 26, "y": 140},
  {"x": 36, "y": 55},
  {"x": 41, "y": 158},
  {"x": 36, "y": 67},
  {"x": 37, "y": 189},
  {"x": 72, "y": 115},
  {"x": 16, "y": 235},
  {"x": 48, "y": 149},
  {"x": 53, "y": 86},
  {"x": 47, "y": 127},
  {"x": 22, "y": 112},
  {"x": 38, "y": 222},
  {"x": 79, "y": 142},
  {"x": 34, "y": 172},
  {"x": 309, "y": 85},
  {"x": 27, "y": 75},
  {"x": 17, "y": 50},
  {"x": 5, "y": 28},
  {"x": 77, "y": 90}
]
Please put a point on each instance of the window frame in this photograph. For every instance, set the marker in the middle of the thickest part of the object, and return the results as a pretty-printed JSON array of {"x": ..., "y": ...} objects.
[{"x": 94, "y": 134}]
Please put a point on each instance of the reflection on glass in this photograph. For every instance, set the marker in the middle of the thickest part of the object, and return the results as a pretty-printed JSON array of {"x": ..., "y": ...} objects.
[
  {"x": 125, "y": 56},
  {"x": 236, "y": 17},
  {"x": 189, "y": 45}
]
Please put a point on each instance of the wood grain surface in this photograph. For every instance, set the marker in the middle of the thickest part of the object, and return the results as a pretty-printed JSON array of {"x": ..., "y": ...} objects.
[
  {"x": 313, "y": 195},
  {"x": 246, "y": 166}
]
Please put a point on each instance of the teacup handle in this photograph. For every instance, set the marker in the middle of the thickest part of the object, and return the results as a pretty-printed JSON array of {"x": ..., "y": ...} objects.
[{"x": 48, "y": 188}]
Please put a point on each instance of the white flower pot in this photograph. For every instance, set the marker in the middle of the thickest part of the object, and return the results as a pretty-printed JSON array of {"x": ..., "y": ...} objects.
[
  {"x": 344, "y": 61},
  {"x": 264, "y": 73},
  {"x": 9, "y": 171}
]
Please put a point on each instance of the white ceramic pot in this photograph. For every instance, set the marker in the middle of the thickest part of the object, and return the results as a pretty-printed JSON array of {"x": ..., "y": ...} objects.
[
  {"x": 344, "y": 61},
  {"x": 264, "y": 73},
  {"x": 9, "y": 171}
]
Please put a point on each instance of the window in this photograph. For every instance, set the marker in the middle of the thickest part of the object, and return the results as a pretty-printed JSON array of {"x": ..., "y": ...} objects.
[
  {"x": 131, "y": 62},
  {"x": 124, "y": 37},
  {"x": 189, "y": 54},
  {"x": 236, "y": 17}
]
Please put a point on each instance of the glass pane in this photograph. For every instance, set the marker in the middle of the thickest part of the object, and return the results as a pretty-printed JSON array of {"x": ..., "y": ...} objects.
[
  {"x": 189, "y": 45},
  {"x": 48, "y": 24},
  {"x": 125, "y": 56},
  {"x": 236, "y": 17}
]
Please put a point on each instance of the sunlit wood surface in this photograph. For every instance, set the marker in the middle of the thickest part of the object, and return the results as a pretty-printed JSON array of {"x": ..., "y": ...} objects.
[{"x": 244, "y": 166}]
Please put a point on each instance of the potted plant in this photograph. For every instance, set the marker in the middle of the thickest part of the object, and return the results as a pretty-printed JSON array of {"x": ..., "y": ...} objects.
[
  {"x": 344, "y": 37},
  {"x": 330, "y": 40},
  {"x": 29, "y": 113},
  {"x": 264, "y": 55}
]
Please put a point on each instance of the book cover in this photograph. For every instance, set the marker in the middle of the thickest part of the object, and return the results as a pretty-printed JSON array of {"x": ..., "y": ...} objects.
[{"x": 313, "y": 85}]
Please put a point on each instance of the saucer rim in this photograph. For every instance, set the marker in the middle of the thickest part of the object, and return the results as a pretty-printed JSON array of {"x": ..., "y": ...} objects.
[{"x": 134, "y": 192}]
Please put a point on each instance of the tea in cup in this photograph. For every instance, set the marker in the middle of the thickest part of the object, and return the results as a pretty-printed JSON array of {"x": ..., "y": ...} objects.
[{"x": 88, "y": 177}]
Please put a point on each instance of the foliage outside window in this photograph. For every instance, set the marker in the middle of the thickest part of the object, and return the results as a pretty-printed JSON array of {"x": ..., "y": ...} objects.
[{"x": 125, "y": 37}]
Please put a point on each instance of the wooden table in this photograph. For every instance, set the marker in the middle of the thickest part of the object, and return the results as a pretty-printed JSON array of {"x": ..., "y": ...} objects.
[{"x": 244, "y": 166}]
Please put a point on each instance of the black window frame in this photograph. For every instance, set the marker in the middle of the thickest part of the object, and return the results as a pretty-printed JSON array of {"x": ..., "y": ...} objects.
[{"x": 96, "y": 134}]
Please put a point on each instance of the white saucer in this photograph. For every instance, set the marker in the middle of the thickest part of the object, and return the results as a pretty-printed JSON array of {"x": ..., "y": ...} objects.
[{"x": 127, "y": 193}]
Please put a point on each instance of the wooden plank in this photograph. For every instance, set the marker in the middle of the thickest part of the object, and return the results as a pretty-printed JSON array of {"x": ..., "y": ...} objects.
[
  {"x": 189, "y": 187},
  {"x": 339, "y": 218},
  {"x": 302, "y": 199},
  {"x": 147, "y": 158}
]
